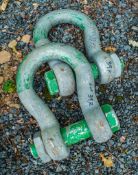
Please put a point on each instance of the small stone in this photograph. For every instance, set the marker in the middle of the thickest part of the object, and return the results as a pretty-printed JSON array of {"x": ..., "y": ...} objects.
[
  {"x": 10, "y": 116},
  {"x": 133, "y": 43},
  {"x": 26, "y": 38},
  {"x": 102, "y": 148},
  {"x": 4, "y": 56},
  {"x": 135, "y": 28},
  {"x": 58, "y": 169},
  {"x": 4, "y": 5},
  {"x": 36, "y": 5},
  {"x": 19, "y": 38},
  {"x": 114, "y": 10},
  {"x": 96, "y": 171},
  {"x": 122, "y": 139}
]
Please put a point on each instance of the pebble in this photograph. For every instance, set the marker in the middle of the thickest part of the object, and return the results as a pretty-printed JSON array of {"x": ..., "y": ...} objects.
[
  {"x": 96, "y": 171},
  {"x": 102, "y": 148}
]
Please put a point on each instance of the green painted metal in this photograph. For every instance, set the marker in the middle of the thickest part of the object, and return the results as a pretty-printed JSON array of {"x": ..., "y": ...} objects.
[
  {"x": 111, "y": 117},
  {"x": 79, "y": 131},
  {"x": 33, "y": 151},
  {"x": 52, "y": 83},
  {"x": 95, "y": 71},
  {"x": 75, "y": 132}
]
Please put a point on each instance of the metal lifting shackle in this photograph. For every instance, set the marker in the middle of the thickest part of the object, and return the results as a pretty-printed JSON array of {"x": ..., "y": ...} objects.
[
  {"x": 106, "y": 67},
  {"x": 73, "y": 133},
  {"x": 52, "y": 141}
]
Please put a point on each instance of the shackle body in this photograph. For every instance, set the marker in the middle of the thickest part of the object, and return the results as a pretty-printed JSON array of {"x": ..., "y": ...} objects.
[
  {"x": 109, "y": 65},
  {"x": 50, "y": 129}
]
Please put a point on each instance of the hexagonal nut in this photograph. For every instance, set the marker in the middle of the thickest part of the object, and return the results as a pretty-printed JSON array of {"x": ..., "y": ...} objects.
[
  {"x": 40, "y": 149},
  {"x": 51, "y": 82},
  {"x": 111, "y": 117},
  {"x": 117, "y": 64}
]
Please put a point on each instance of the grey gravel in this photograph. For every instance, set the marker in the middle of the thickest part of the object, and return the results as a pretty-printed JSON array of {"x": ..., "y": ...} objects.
[{"x": 116, "y": 22}]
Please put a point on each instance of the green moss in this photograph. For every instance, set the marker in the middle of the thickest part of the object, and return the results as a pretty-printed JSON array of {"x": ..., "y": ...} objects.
[{"x": 9, "y": 86}]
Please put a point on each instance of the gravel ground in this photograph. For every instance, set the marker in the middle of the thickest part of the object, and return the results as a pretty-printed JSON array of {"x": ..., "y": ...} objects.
[{"x": 116, "y": 22}]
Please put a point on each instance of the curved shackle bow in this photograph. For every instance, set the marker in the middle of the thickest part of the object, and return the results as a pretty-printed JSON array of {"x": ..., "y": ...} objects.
[
  {"x": 109, "y": 65},
  {"x": 50, "y": 129}
]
